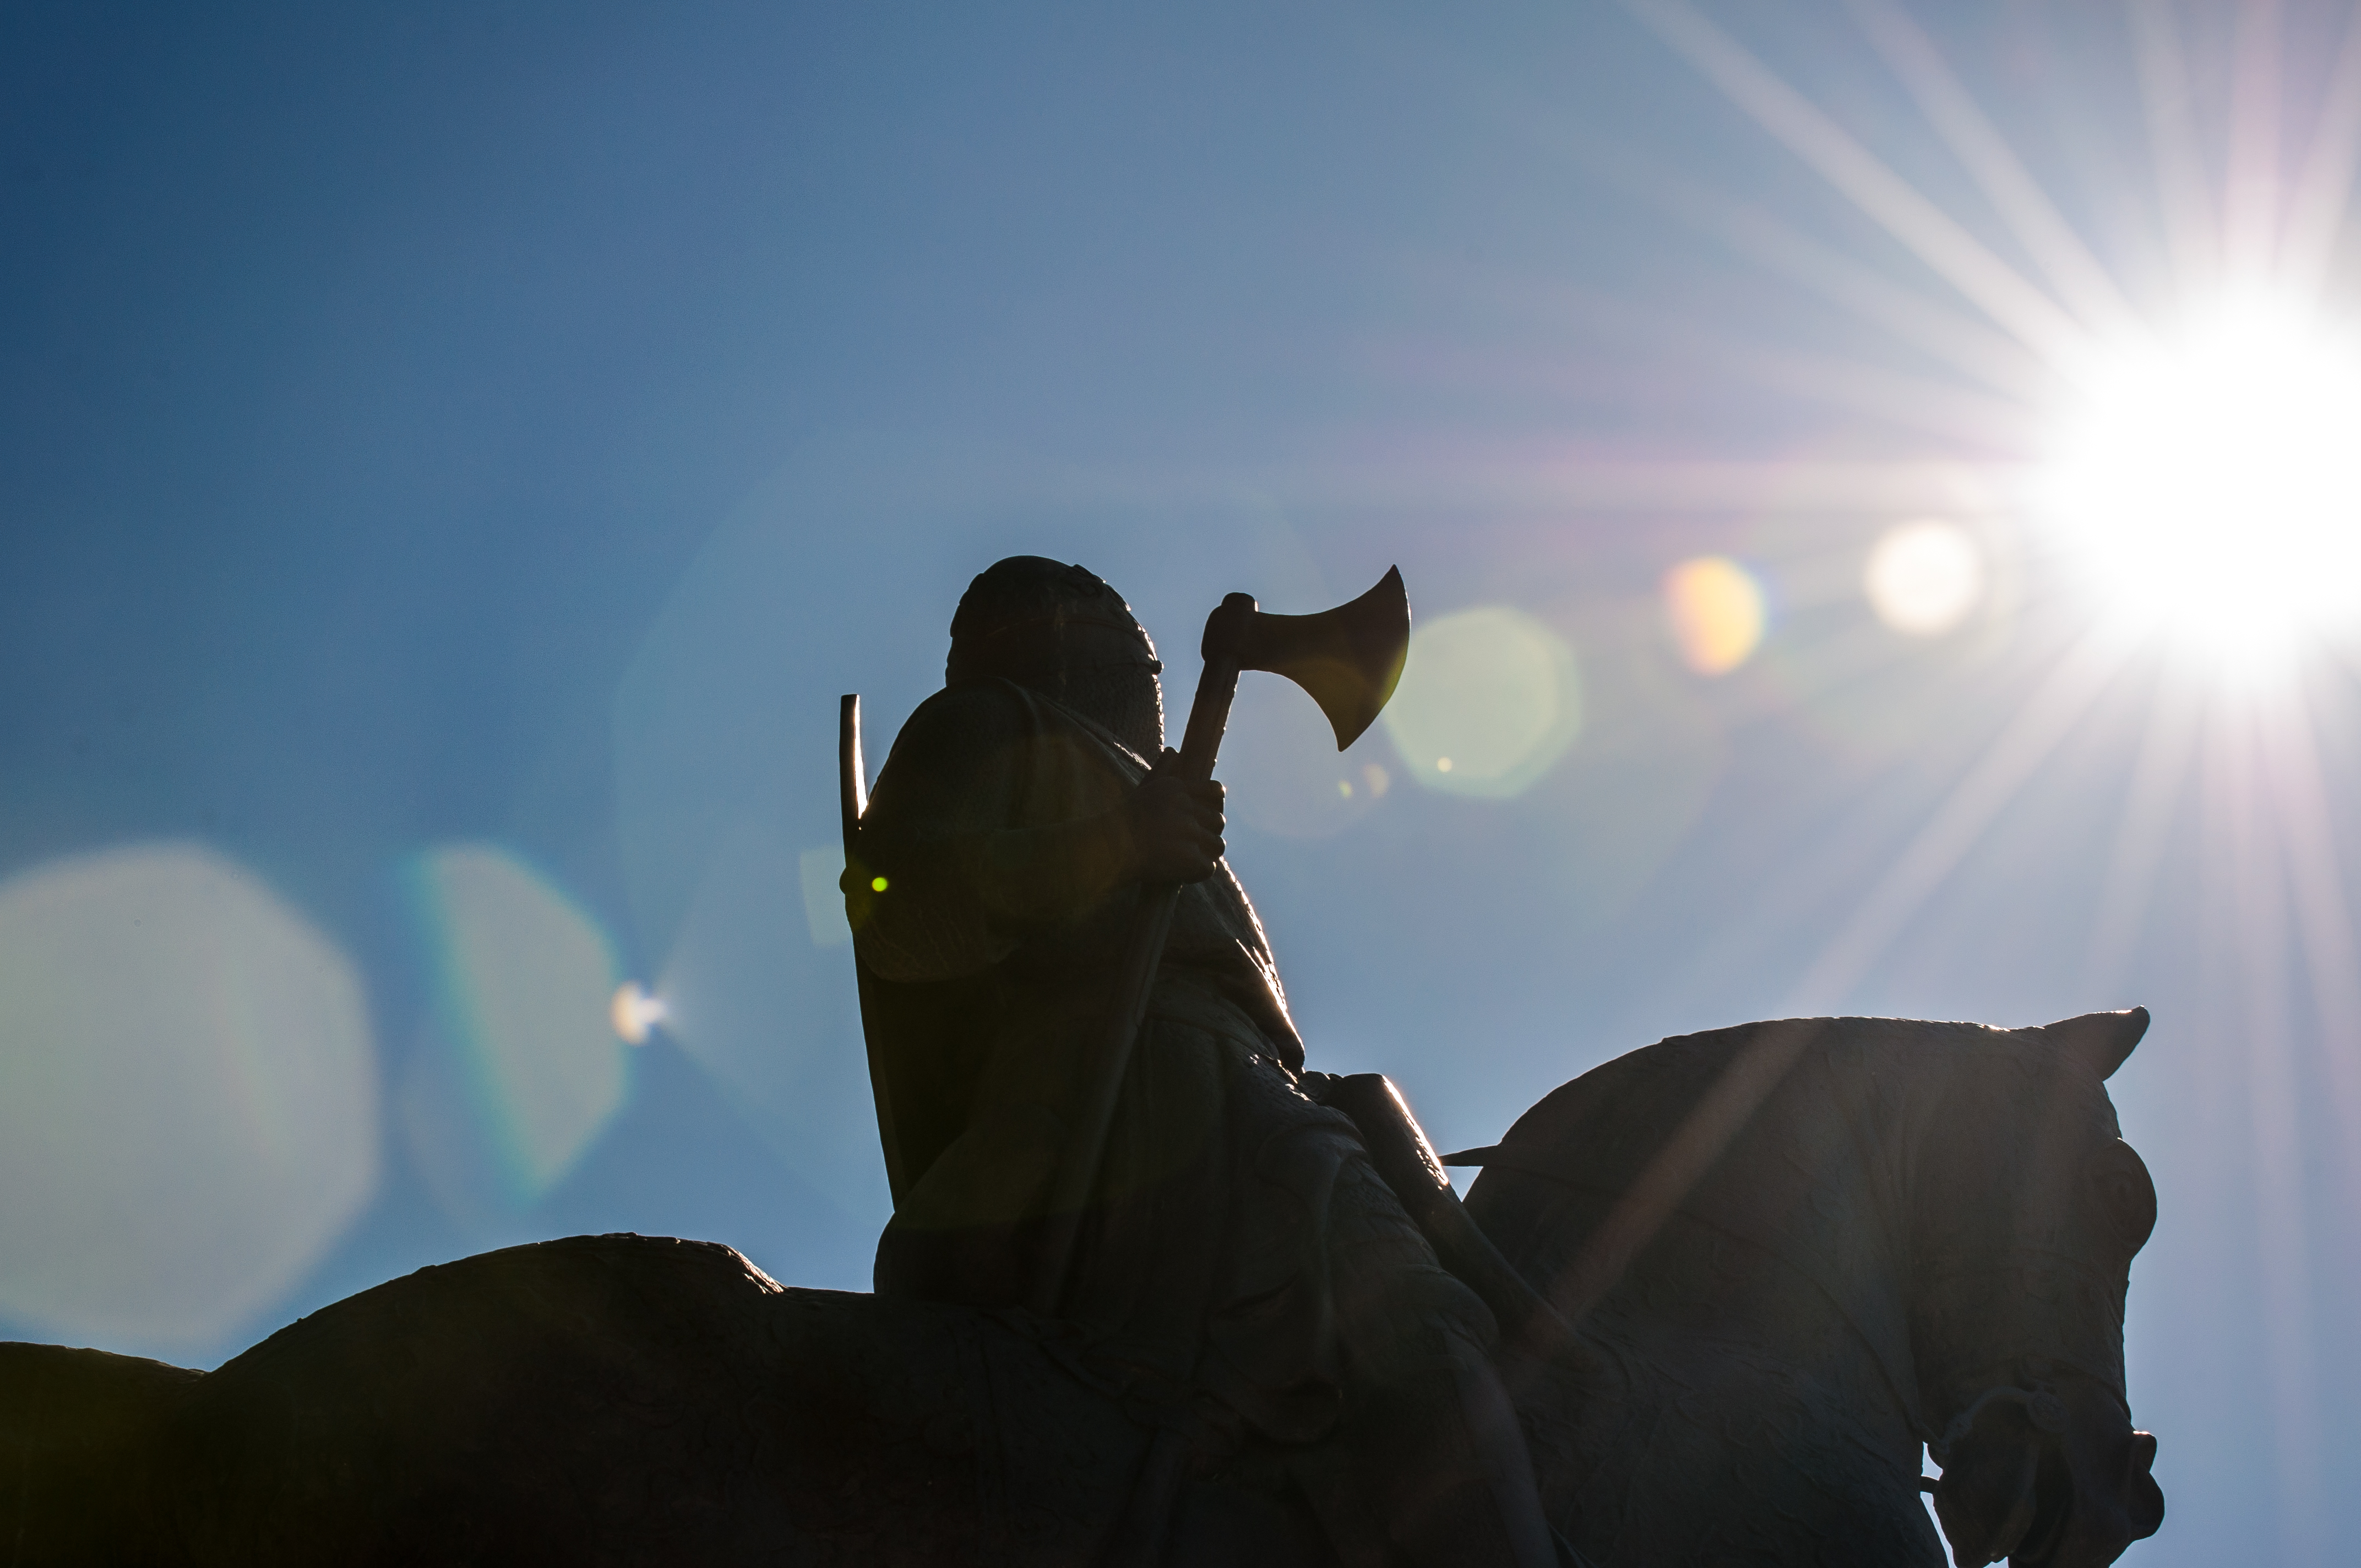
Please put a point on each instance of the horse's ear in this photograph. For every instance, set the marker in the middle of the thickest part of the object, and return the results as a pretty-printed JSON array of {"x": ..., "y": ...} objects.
[{"x": 2099, "y": 1040}]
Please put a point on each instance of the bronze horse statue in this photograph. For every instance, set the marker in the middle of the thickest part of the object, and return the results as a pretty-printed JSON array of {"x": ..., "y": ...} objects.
[{"x": 1792, "y": 1253}]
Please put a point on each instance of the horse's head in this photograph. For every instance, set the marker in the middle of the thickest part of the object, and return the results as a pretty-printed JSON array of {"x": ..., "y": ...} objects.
[{"x": 2029, "y": 1207}]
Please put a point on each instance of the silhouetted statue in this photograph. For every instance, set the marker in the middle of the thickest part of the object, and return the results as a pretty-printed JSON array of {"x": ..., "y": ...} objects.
[
  {"x": 1190, "y": 1303},
  {"x": 1239, "y": 1262},
  {"x": 1798, "y": 1249}
]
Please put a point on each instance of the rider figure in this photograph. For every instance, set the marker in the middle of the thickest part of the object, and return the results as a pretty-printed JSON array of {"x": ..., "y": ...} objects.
[{"x": 1240, "y": 1254}]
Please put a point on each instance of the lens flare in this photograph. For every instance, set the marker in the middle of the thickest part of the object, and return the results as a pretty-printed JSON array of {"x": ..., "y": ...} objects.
[
  {"x": 634, "y": 1012},
  {"x": 819, "y": 872},
  {"x": 528, "y": 1007},
  {"x": 2211, "y": 487},
  {"x": 1717, "y": 612},
  {"x": 1923, "y": 578},
  {"x": 188, "y": 1096},
  {"x": 1284, "y": 773},
  {"x": 772, "y": 1018},
  {"x": 1490, "y": 699}
]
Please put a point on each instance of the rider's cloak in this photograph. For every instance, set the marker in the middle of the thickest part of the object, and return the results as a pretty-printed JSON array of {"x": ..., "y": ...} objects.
[{"x": 987, "y": 957}]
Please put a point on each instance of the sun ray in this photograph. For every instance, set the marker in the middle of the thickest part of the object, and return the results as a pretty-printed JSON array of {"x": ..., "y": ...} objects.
[
  {"x": 1931, "y": 405},
  {"x": 1960, "y": 340},
  {"x": 2167, "y": 750},
  {"x": 2257, "y": 905},
  {"x": 1584, "y": 482},
  {"x": 2299, "y": 794},
  {"x": 2015, "y": 196},
  {"x": 1905, "y": 402},
  {"x": 2043, "y": 720},
  {"x": 2250, "y": 193},
  {"x": 1997, "y": 360},
  {"x": 2316, "y": 208},
  {"x": 2181, "y": 185},
  {"x": 1891, "y": 201}
]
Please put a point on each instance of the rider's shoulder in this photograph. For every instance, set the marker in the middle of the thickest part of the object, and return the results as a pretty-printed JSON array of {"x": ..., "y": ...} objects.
[
  {"x": 994, "y": 701},
  {"x": 985, "y": 711},
  {"x": 988, "y": 702}
]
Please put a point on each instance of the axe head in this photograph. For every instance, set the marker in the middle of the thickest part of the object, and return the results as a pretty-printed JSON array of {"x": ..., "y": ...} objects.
[{"x": 1348, "y": 658}]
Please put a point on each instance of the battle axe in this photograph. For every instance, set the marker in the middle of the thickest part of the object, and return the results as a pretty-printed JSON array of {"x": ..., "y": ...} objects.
[{"x": 1348, "y": 658}]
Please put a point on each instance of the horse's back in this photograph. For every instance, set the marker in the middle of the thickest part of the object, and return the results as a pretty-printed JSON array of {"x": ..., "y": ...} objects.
[
  {"x": 622, "y": 1399},
  {"x": 68, "y": 1418}
]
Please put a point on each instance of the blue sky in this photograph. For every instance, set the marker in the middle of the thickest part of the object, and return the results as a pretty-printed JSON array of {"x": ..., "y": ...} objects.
[{"x": 453, "y": 460}]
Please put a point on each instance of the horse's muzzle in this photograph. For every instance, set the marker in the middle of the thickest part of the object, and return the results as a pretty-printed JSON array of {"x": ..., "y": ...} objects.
[
  {"x": 2069, "y": 1495},
  {"x": 2107, "y": 1497}
]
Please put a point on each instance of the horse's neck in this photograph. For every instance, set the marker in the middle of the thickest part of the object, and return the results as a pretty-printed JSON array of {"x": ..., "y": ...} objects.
[
  {"x": 1821, "y": 1179},
  {"x": 1771, "y": 1190},
  {"x": 1751, "y": 1424},
  {"x": 1763, "y": 1322}
]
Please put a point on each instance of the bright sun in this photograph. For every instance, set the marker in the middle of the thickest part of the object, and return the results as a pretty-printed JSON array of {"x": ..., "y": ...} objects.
[{"x": 2211, "y": 485}]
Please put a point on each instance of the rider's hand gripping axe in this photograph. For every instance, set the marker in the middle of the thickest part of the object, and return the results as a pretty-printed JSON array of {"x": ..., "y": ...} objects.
[{"x": 1348, "y": 658}]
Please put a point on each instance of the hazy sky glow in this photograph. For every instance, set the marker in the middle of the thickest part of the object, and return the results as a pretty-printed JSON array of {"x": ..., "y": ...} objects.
[{"x": 1878, "y": 486}]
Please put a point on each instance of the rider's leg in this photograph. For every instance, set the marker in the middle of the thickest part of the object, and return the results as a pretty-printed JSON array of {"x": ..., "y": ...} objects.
[
  {"x": 1434, "y": 1436},
  {"x": 1443, "y": 1470}
]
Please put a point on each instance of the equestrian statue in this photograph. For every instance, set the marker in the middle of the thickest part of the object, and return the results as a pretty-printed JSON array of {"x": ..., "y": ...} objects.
[{"x": 1158, "y": 1292}]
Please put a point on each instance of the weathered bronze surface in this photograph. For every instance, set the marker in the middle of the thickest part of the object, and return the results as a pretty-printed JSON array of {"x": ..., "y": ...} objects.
[{"x": 1705, "y": 1303}]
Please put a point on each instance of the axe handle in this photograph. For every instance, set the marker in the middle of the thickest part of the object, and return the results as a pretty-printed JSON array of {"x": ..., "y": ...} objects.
[
  {"x": 1209, "y": 715},
  {"x": 1143, "y": 950}
]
